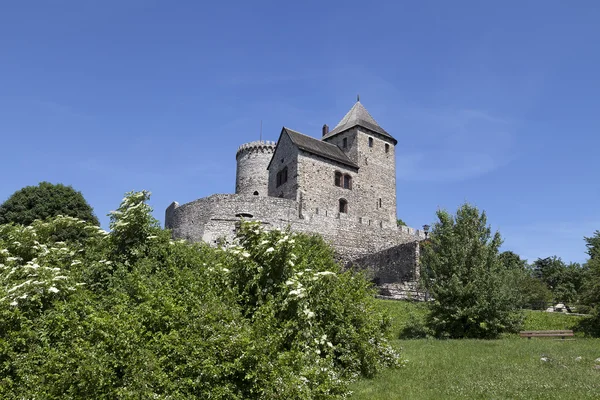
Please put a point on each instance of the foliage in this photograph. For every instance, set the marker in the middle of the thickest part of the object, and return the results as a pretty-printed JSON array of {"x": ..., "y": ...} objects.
[
  {"x": 511, "y": 260},
  {"x": 399, "y": 222},
  {"x": 44, "y": 201},
  {"x": 134, "y": 314},
  {"x": 590, "y": 296},
  {"x": 563, "y": 280},
  {"x": 475, "y": 296},
  {"x": 533, "y": 292}
]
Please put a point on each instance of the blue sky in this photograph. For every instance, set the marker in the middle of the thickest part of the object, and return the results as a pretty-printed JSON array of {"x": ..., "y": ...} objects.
[{"x": 494, "y": 103}]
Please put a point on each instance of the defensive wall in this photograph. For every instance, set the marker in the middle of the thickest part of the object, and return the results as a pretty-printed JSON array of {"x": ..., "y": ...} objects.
[{"x": 390, "y": 253}]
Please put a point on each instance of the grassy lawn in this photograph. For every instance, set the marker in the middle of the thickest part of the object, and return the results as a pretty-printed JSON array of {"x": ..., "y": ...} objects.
[{"x": 510, "y": 368}]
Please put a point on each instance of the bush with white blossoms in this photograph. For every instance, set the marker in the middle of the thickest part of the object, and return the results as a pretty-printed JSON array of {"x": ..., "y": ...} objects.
[
  {"x": 132, "y": 313},
  {"x": 35, "y": 270}
]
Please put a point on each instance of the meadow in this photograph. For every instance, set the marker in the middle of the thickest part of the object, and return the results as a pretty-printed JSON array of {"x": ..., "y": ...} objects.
[{"x": 508, "y": 368}]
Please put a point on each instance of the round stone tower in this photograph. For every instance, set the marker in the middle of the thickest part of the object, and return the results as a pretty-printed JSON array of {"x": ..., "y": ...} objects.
[{"x": 253, "y": 159}]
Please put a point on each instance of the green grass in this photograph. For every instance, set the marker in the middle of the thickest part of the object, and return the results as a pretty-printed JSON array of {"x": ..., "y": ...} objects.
[{"x": 509, "y": 368}]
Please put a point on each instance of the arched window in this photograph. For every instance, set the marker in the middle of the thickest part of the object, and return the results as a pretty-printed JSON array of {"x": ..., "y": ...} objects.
[
  {"x": 387, "y": 148},
  {"x": 370, "y": 142},
  {"x": 344, "y": 206},
  {"x": 347, "y": 182},
  {"x": 338, "y": 179},
  {"x": 256, "y": 193}
]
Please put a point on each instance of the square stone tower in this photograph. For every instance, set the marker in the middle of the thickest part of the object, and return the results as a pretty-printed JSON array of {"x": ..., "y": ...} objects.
[{"x": 369, "y": 146}]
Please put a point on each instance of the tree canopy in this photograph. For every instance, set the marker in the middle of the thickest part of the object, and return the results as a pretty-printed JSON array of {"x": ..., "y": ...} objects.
[
  {"x": 474, "y": 294},
  {"x": 44, "y": 201}
]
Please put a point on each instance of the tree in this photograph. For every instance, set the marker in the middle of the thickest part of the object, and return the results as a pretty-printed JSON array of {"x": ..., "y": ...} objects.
[
  {"x": 590, "y": 295},
  {"x": 511, "y": 260},
  {"x": 44, "y": 201},
  {"x": 533, "y": 292},
  {"x": 474, "y": 294},
  {"x": 399, "y": 222},
  {"x": 564, "y": 280}
]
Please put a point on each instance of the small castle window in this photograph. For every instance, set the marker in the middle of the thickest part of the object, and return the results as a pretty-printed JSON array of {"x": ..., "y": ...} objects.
[
  {"x": 347, "y": 182},
  {"x": 343, "y": 206},
  {"x": 256, "y": 193},
  {"x": 338, "y": 179},
  {"x": 379, "y": 202},
  {"x": 345, "y": 143},
  {"x": 387, "y": 148},
  {"x": 370, "y": 142},
  {"x": 282, "y": 177},
  {"x": 244, "y": 215}
]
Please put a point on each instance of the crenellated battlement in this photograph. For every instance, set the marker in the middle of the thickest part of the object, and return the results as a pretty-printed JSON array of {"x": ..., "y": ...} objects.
[{"x": 264, "y": 146}]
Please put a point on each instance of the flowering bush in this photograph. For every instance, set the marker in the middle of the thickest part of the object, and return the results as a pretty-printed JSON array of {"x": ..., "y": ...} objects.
[{"x": 134, "y": 314}]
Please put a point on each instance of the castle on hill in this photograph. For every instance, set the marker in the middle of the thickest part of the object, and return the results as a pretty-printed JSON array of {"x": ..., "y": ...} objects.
[{"x": 341, "y": 186}]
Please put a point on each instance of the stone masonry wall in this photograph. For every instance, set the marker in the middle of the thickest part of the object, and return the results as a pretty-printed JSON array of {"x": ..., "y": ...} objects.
[
  {"x": 251, "y": 173},
  {"x": 213, "y": 217},
  {"x": 316, "y": 184},
  {"x": 377, "y": 173},
  {"x": 393, "y": 265},
  {"x": 286, "y": 155}
]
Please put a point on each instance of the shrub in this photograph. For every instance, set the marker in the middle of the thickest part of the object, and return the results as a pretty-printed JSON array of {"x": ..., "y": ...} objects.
[
  {"x": 474, "y": 295},
  {"x": 134, "y": 314}
]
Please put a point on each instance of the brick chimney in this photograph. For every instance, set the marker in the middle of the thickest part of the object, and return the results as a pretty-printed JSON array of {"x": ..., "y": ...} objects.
[{"x": 325, "y": 129}]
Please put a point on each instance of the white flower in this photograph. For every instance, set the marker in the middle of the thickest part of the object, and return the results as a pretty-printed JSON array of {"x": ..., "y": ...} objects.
[
  {"x": 246, "y": 254},
  {"x": 24, "y": 296},
  {"x": 152, "y": 237},
  {"x": 14, "y": 303},
  {"x": 309, "y": 314},
  {"x": 324, "y": 273},
  {"x": 52, "y": 289},
  {"x": 4, "y": 251},
  {"x": 12, "y": 258},
  {"x": 329, "y": 344},
  {"x": 270, "y": 249},
  {"x": 75, "y": 262}
]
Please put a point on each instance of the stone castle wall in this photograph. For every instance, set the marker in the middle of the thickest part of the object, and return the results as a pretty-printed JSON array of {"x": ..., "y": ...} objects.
[
  {"x": 251, "y": 175},
  {"x": 287, "y": 156},
  {"x": 215, "y": 217}
]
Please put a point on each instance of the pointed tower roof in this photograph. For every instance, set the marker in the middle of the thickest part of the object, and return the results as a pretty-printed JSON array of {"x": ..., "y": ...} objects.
[{"x": 358, "y": 116}]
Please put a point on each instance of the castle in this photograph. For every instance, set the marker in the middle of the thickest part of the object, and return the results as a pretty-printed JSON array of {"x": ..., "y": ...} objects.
[{"x": 342, "y": 187}]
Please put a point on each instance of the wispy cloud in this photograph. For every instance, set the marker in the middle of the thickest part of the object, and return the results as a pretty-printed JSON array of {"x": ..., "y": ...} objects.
[{"x": 451, "y": 145}]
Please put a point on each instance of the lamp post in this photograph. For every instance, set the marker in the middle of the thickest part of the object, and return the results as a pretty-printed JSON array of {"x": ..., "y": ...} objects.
[{"x": 426, "y": 230}]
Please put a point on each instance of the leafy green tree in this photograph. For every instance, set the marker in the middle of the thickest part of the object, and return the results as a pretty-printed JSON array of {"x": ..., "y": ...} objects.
[
  {"x": 511, "y": 260},
  {"x": 563, "y": 280},
  {"x": 399, "y": 222},
  {"x": 590, "y": 296},
  {"x": 474, "y": 294},
  {"x": 533, "y": 292},
  {"x": 44, "y": 201}
]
